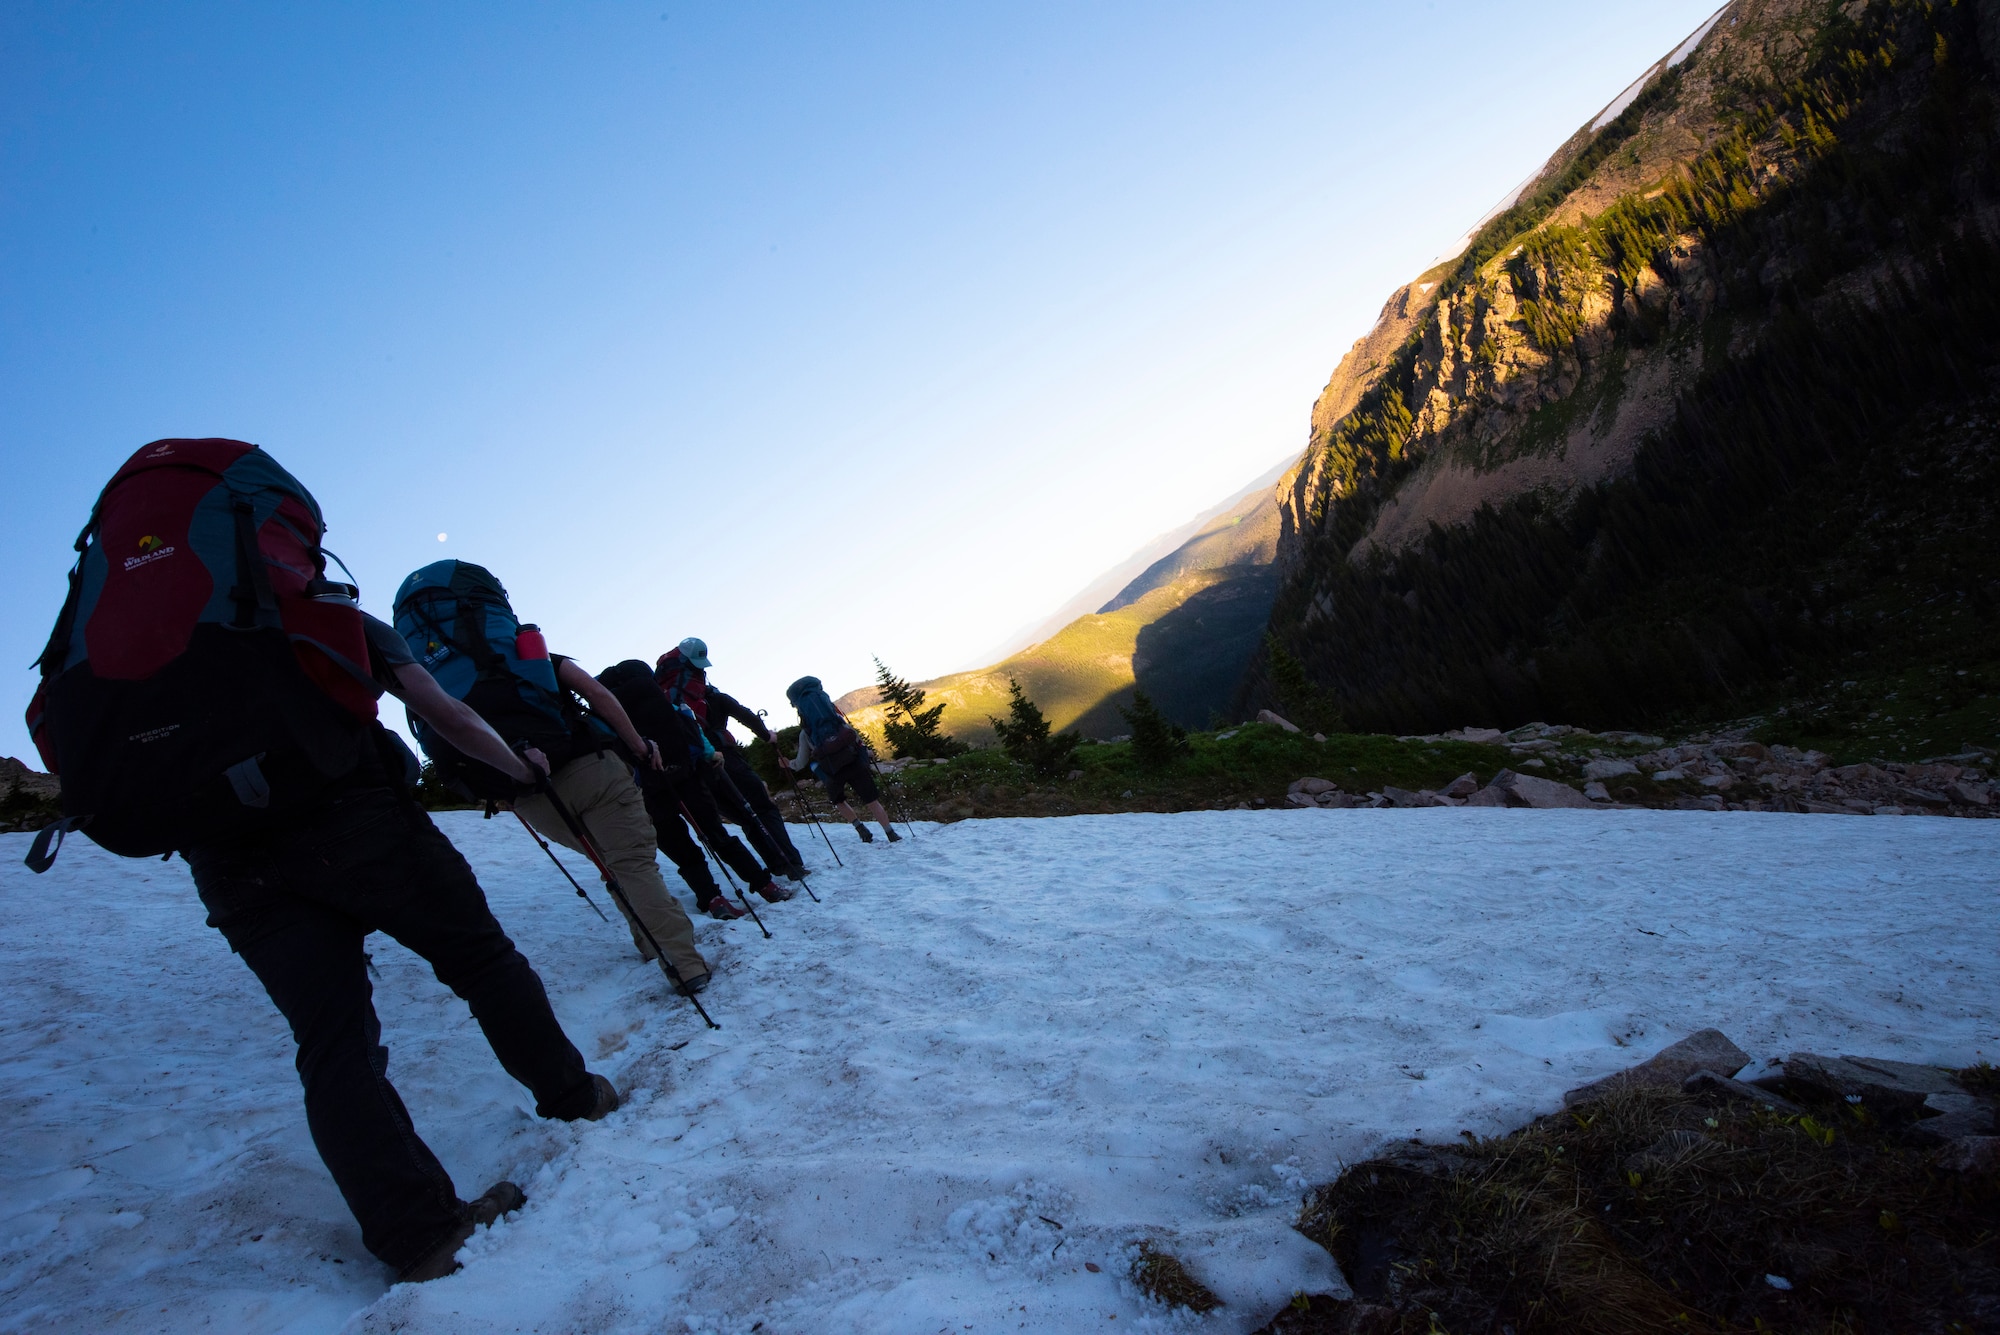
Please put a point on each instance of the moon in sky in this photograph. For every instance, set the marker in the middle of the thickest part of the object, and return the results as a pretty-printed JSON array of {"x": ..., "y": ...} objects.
[{"x": 440, "y": 537}]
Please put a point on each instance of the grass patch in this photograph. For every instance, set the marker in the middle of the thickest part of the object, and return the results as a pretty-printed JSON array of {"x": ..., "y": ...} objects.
[
  {"x": 1162, "y": 1277},
  {"x": 1253, "y": 764},
  {"x": 1655, "y": 1211}
]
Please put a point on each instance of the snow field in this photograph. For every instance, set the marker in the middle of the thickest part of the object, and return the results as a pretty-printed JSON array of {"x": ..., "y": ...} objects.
[{"x": 994, "y": 1054}]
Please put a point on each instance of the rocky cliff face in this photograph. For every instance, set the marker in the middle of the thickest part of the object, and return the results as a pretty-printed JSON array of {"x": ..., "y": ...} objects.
[{"x": 1798, "y": 182}]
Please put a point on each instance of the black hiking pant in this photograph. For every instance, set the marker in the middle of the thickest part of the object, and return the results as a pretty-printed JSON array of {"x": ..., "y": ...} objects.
[
  {"x": 758, "y": 799},
  {"x": 668, "y": 798},
  {"x": 670, "y": 831},
  {"x": 297, "y": 907}
]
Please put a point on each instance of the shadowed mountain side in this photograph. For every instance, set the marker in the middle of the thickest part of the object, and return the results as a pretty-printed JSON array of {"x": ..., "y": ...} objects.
[{"x": 1190, "y": 660}]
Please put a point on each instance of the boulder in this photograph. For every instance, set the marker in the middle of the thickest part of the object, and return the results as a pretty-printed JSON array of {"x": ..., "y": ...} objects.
[
  {"x": 1403, "y": 797},
  {"x": 1893, "y": 1089},
  {"x": 1312, "y": 787},
  {"x": 1490, "y": 796},
  {"x": 1300, "y": 800},
  {"x": 1465, "y": 785},
  {"x": 1706, "y": 1050},
  {"x": 1958, "y": 1114},
  {"x": 1596, "y": 791},
  {"x": 1482, "y": 736},
  {"x": 1969, "y": 794},
  {"x": 1669, "y": 775},
  {"x": 1266, "y": 716},
  {"x": 1608, "y": 768},
  {"x": 1977, "y": 1156},
  {"x": 1709, "y": 1082},
  {"x": 1545, "y": 794}
]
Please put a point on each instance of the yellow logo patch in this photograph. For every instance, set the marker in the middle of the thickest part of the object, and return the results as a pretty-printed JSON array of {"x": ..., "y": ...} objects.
[{"x": 149, "y": 543}]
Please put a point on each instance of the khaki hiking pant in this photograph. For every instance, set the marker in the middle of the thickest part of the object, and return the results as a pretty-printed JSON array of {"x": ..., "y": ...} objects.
[{"x": 599, "y": 792}]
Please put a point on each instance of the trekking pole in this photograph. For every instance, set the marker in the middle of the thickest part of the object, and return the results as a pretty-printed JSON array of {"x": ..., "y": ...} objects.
[
  {"x": 590, "y": 850},
  {"x": 902, "y": 808},
  {"x": 742, "y": 896},
  {"x": 536, "y": 836},
  {"x": 799, "y": 795}
]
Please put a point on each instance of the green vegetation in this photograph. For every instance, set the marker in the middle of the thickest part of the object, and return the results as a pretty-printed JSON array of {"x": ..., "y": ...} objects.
[
  {"x": 1248, "y": 766},
  {"x": 911, "y": 729},
  {"x": 1025, "y": 735},
  {"x": 1302, "y": 701},
  {"x": 1156, "y": 743}
]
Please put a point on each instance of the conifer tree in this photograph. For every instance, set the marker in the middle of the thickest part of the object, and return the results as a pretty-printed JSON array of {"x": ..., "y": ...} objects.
[
  {"x": 911, "y": 729},
  {"x": 1156, "y": 743},
  {"x": 1304, "y": 703},
  {"x": 1025, "y": 735}
]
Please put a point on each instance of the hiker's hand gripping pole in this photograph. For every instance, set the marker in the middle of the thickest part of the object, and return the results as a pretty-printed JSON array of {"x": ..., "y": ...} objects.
[{"x": 590, "y": 850}]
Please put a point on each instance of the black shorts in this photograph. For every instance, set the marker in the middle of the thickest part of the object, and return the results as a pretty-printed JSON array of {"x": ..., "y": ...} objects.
[{"x": 854, "y": 774}]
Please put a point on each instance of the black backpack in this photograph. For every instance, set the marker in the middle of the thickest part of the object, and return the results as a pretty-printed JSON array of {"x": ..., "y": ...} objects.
[{"x": 655, "y": 716}]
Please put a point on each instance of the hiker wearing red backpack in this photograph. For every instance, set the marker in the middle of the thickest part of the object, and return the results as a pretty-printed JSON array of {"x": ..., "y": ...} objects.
[
  {"x": 457, "y": 621},
  {"x": 208, "y": 690},
  {"x": 838, "y": 754}
]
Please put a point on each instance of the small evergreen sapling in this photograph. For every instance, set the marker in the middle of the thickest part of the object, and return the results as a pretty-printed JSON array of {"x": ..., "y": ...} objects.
[
  {"x": 912, "y": 730},
  {"x": 1024, "y": 733},
  {"x": 1156, "y": 743}
]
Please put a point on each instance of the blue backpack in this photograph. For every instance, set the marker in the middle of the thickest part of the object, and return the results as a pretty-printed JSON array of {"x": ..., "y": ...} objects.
[
  {"x": 833, "y": 739},
  {"x": 457, "y": 621}
]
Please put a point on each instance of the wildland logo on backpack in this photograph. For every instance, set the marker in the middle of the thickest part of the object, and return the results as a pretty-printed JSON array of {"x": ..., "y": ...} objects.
[
  {"x": 457, "y": 621},
  {"x": 204, "y": 674}
]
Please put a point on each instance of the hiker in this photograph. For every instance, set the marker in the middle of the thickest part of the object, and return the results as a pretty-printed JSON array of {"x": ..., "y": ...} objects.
[
  {"x": 683, "y": 671},
  {"x": 456, "y": 619},
  {"x": 208, "y": 690},
  {"x": 838, "y": 754},
  {"x": 677, "y": 792}
]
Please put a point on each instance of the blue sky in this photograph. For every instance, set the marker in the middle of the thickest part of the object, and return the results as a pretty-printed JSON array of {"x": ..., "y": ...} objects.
[{"x": 818, "y": 331}]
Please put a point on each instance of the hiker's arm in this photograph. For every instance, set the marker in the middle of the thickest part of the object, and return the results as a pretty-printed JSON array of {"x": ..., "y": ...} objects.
[
  {"x": 457, "y": 722},
  {"x": 606, "y": 706}
]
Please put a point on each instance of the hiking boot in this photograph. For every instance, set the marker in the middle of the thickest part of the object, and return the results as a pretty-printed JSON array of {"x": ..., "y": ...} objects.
[
  {"x": 499, "y": 1199},
  {"x": 698, "y": 983},
  {"x": 607, "y": 1101},
  {"x": 795, "y": 872},
  {"x": 894, "y": 838},
  {"x": 720, "y": 907},
  {"x": 774, "y": 892},
  {"x": 862, "y": 830}
]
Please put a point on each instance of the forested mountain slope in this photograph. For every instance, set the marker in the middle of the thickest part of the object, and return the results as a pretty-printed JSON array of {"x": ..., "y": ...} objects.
[{"x": 1702, "y": 422}]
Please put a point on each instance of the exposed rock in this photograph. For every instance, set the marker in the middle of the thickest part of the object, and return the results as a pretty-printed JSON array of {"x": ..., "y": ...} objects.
[
  {"x": 15, "y": 775},
  {"x": 1300, "y": 800},
  {"x": 1482, "y": 736},
  {"x": 1326, "y": 1314},
  {"x": 1705, "y": 1050},
  {"x": 1596, "y": 791},
  {"x": 1631, "y": 738},
  {"x": 1708, "y": 1082},
  {"x": 1977, "y": 1156},
  {"x": 1490, "y": 796},
  {"x": 1959, "y": 1115},
  {"x": 1266, "y": 716},
  {"x": 1540, "y": 793},
  {"x": 1969, "y": 794},
  {"x": 1882, "y": 1089},
  {"x": 1668, "y": 775},
  {"x": 1608, "y": 768},
  {"x": 1465, "y": 785},
  {"x": 1313, "y": 787}
]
